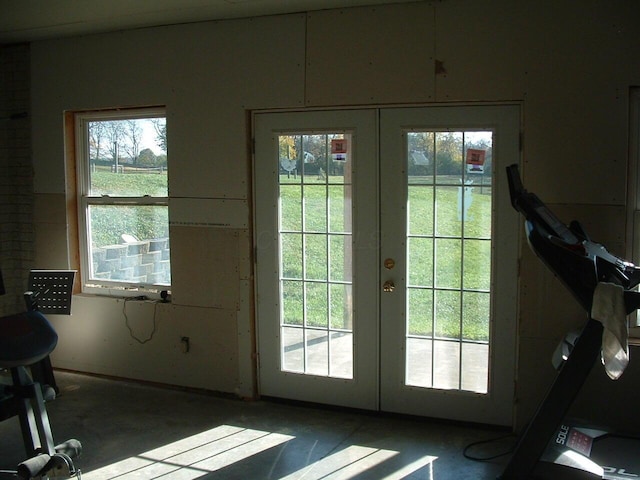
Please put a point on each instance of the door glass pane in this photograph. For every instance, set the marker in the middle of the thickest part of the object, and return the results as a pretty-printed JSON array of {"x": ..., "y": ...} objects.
[
  {"x": 448, "y": 259},
  {"x": 292, "y": 303},
  {"x": 292, "y": 351},
  {"x": 291, "y": 208},
  {"x": 448, "y": 208},
  {"x": 315, "y": 225}
]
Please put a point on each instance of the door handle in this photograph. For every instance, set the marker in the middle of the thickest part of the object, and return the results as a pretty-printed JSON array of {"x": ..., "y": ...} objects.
[{"x": 388, "y": 286}]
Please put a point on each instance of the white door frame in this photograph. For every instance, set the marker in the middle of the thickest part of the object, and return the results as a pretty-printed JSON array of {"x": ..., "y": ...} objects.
[
  {"x": 374, "y": 385},
  {"x": 495, "y": 407},
  {"x": 362, "y": 390}
]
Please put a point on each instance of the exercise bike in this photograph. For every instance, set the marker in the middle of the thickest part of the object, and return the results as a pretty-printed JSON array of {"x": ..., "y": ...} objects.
[
  {"x": 27, "y": 339},
  {"x": 552, "y": 447}
]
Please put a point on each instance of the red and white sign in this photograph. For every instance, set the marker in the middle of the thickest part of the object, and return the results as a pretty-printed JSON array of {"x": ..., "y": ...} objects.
[
  {"x": 475, "y": 160},
  {"x": 339, "y": 148}
]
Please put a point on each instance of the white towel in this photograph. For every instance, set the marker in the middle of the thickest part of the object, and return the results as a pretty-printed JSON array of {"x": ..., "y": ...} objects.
[{"x": 609, "y": 309}]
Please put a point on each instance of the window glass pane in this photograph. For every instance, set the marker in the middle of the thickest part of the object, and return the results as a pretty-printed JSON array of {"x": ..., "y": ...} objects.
[
  {"x": 340, "y": 258},
  {"x": 420, "y": 210},
  {"x": 448, "y": 259},
  {"x": 341, "y": 306},
  {"x": 340, "y": 208},
  {"x": 475, "y": 367},
  {"x": 317, "y": 352},
  {"x": 420, "y": 156},
  {"x": 419, "y": 362},
  {"x": 291, "y": 208},
  {"x": 314, "y": 158},
  {"x": 447, "y": 314},
  {"x": 292, "y": 302},
  {"x": 476, "y": 209},
  {"x": 449, "y": 214},
  {"x": 291, "y": 255},
  {"x": 420, "y": 311},
  {"x": 289, "y": 162},
  {"x": 476, "y": 201},
  {"x": 315, "y": 225},
  {"x": 477, "y": 264},
  {"x": 475, "y": 316},
  {"x": 448, "y": 206},
  {"x": 130, "y": 243},
  {"x": 448, "y": 153},
  {"x": 341, "y": 352},
  {"x": 315, "y": 208},
  {"x": 420, "y": 261},
  {"x": 317, "y": 305},
  {"x": 315, "y": 257},
  {"x": 128, "y": 157},
  {"x": 446, "y": 374},
  {"x": 293, "y": 349}
]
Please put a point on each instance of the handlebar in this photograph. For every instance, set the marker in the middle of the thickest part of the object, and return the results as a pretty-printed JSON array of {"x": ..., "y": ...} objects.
[{"x": 568, "y": 251}]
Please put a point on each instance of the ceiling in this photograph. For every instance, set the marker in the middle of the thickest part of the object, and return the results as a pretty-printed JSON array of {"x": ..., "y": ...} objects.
[{"x": 29, "y": 20}]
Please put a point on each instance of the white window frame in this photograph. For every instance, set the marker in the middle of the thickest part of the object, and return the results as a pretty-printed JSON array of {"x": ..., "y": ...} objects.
[
  {"x": 633, "y": 202},
  {"x": 98, "y": 286}
]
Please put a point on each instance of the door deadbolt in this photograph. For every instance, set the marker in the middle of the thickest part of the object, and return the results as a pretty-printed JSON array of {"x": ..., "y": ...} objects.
[{"x": 389, "y": 263}]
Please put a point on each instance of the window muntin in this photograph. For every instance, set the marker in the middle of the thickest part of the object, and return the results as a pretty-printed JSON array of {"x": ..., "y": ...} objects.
[
  {"x": 448, "y": 241},
  {"x": 316, "y": 258},
  {"x": 123, "y": 200}
]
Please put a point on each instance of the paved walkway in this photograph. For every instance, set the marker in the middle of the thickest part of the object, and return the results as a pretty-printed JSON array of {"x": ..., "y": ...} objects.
[{"x": 462, "y": 366}]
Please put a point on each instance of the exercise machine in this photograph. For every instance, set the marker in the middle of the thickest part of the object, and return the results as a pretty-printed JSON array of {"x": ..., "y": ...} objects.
[
  {"x": 552, "y": 446},
  {"x": 27, "y": 339}
]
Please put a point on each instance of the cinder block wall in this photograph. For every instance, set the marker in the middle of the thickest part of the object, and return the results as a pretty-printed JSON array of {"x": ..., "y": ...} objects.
[{"x": 16, "y": 176}]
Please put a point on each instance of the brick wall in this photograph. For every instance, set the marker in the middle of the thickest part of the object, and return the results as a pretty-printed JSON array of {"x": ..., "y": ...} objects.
[{"x": 16, "y": 176}]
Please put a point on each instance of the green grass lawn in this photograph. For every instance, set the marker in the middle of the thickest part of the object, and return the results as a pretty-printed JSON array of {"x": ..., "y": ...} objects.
[
  {"x": 109, "y": 222},
  {"x": 447, "y": 297}
]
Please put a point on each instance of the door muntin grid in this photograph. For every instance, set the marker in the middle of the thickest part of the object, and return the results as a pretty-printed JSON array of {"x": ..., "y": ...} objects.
[
  {"x": 448, "y": 248},
  {"x": 316, "y": 257}
]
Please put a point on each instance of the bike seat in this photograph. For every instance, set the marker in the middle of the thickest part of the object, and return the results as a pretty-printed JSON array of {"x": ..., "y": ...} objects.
[{"x": 26, "y": 339}]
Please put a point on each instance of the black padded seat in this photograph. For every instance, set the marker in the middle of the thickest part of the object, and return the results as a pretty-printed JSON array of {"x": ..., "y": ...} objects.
[{"x": 25, "y": 339}]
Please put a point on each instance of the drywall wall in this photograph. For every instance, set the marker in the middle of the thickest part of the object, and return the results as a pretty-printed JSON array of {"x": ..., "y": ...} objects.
[
  {"x": 570, "y": 64},
  {"x": 207, "y": 75}
]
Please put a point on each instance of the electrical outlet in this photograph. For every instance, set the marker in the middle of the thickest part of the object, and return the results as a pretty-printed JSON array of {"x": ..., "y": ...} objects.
[{"x": 185, "y": 344}]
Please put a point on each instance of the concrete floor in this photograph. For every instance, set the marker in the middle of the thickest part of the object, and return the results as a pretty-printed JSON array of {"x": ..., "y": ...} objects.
[{"x": 133, "y": 431}]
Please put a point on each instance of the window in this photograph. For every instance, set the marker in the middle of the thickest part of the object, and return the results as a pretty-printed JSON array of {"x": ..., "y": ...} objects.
[
  {"x": 123, "y": 200},
  {"x": 634, "y": 190},
  {"x": 448, "y": 242},
  {"x": 315, "y": 228}
]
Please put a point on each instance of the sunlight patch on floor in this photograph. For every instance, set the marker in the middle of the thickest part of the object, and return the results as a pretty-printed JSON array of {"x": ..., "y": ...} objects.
[
  {"x": 210, "y": 451},
  {"x": 353, "y": 461},
  {"x": 192, "y": 457}
]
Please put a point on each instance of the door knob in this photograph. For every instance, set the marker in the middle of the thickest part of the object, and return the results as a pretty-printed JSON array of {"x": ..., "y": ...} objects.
[{"x": 388, "y": 286}]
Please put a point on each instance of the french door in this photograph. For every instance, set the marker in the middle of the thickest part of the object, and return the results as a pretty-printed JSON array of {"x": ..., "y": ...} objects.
[{"x": 386, "y": 259}]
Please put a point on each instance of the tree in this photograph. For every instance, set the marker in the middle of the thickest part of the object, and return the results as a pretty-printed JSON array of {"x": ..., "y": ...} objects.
[
  {"x": 420, "y": 145},
  {"x": 287, "y": 147},
  {"x": 133, "y": 134},
  {"x": 449, "y": 153},
  {"x": 147, "y": 158},
  {"x": 160, "y": 126},
  {"x": 161, "y": 160},
  {"x": 115, "y": 135},
  {"x": 97, "y": 134}
]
